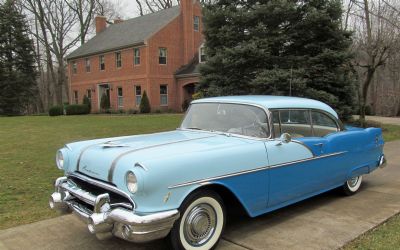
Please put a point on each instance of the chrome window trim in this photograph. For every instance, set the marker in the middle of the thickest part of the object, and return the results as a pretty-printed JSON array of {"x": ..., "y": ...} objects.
[
  {"x": 103, "y": 185},
  {"x": 339, "y": 124},
  {"x": 266, "y": 110},
  {"x": 205, "y": 180}
]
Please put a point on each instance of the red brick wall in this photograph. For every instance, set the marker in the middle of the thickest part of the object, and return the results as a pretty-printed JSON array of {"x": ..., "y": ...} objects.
[{"x": 149, "y": 74}]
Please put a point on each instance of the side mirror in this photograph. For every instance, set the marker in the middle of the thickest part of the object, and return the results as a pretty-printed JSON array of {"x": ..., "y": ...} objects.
[{"x": 284, "y": 138}]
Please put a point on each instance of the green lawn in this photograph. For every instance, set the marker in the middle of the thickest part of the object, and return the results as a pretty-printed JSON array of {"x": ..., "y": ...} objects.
[
  {"x": 27, "y": 167},
  {"x": 27, "y": 155}
]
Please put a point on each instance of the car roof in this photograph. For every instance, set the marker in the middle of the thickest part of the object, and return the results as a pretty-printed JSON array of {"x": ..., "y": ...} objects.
[{"x": 272, "y": 102}]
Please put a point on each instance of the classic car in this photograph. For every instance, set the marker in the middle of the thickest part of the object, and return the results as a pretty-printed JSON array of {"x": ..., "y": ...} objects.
[{"x": 261, "y": 152}]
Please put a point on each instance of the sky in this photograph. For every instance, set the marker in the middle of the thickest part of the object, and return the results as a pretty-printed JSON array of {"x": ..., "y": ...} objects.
[{"x": 127, "y": 8}]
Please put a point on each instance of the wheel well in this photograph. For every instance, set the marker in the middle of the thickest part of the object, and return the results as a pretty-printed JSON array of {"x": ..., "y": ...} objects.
[{"x": 231, "y": 202}]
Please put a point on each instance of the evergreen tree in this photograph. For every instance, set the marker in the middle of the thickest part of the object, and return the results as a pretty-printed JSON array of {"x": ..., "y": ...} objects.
[
  {"x": 286, "y": 47},
  {"x": 87, "y": 102},
  {"x": 17, "y": 63},
  {"x": 145, "y": 104}
]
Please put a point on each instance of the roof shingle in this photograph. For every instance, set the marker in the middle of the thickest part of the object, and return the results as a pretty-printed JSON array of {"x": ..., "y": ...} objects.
[{"x": 128, "y": 33}]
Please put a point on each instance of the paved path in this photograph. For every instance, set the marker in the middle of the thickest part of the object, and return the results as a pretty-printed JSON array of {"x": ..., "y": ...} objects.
[
  {"x": 327, "y": 221},
  {"x": 384, "y": 120}
]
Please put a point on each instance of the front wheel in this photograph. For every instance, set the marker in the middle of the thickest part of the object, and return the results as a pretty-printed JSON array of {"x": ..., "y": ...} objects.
[
  {"x": 201, "y": 223},
  {"x": 351, "y": 186}
]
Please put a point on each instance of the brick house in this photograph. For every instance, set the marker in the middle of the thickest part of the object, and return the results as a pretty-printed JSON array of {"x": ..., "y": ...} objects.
[{"x": 158, "y": 53}]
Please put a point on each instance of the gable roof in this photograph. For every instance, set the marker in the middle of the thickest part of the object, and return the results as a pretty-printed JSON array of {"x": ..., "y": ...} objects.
[{"x": 128, "y": 33}]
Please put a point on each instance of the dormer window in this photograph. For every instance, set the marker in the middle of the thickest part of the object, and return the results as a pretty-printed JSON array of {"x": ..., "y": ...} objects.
[
  {"x": 202, "y": 55},
  {"x": 196, "y": 23}
]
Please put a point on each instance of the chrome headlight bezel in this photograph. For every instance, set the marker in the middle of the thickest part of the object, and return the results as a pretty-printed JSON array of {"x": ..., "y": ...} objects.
[
  {"x": 131, "y": 182},
  {"x": 60, "y": 159}
]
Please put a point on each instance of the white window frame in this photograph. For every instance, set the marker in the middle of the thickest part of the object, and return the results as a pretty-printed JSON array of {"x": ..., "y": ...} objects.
[
  {"x": 118, "y": 59},
  {"x": 136, "y": 57},
  {"x": 200, "y": 49},
  {"x": 196, "y": 25},
  {"x": 76, "y": 97},
  {"x": 120, "y": 98},
  {"x": 164, "y": 95},
  {"x": 74, "y": 67},
  {"x": 102, "y": 61},
  {"x": 88, "y": 65},
  {"x": 138, "y": 96},
  {"x": 159, "y": 55}
]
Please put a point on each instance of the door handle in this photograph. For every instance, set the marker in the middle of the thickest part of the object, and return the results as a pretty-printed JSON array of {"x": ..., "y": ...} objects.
[{"x": 319, "y": 144}]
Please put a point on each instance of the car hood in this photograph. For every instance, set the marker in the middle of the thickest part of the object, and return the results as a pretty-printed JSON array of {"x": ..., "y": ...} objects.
[{"x": 101, "y": 158}]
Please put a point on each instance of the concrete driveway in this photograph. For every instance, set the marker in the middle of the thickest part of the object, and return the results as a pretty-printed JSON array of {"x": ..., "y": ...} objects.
[
  {"x": 382, "y": 119},
  {"x": 327, "y": 221}
]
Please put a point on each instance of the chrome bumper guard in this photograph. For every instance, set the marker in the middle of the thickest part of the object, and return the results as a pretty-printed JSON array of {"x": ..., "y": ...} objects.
[
  {"x": 105, "y": 221},
  {"x": 382, "y": 161}
]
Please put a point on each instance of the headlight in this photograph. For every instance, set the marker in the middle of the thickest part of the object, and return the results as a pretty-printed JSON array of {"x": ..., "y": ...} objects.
[
  {"x": 131, "y": 182},
  {"x": 60, "y": 159}
]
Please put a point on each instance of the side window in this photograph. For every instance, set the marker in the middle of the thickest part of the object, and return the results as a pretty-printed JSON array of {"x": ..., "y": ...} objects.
[
  {"x": 323, "y": 124},
  {"x": 276, "y": 124},
  {"x": 296, "y": 122}
]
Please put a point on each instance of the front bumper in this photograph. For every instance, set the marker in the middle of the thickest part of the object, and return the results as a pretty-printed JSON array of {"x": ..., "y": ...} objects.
[{"x": 106, "y": 219}]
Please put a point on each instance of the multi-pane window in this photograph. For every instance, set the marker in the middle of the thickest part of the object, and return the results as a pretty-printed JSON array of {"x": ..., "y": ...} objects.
[
  {"x": 87, "y": 64},
  {"x": 76, "y": 100},
  {"x": 202, "y": 54},
  {"x": 163, "y": 95},
  {"x": 102, "y": 64},
  {"x": 162, "y": 56},
  {"x": 118, "y": 59},
  {"x": 196, "y": 23},
  {"x": 138, "y": 95},
  {"x": 120, "y": 97},
  {"x": 74, "y": 67},
  {"x": 136, "y": 56}
]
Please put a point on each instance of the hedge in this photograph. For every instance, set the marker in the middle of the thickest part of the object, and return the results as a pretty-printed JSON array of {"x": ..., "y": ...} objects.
[
  {"x": 77, "y": 109},
  {"x": 56, "y": 110}
]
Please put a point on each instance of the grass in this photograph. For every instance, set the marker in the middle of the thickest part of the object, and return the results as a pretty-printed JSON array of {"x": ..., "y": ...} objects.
[
  {"x": 27, "y": 153},
  {"x": 384, "y": 237},
  {"x": 27, "y": 167},
  {"x": 391, "y": 132}
]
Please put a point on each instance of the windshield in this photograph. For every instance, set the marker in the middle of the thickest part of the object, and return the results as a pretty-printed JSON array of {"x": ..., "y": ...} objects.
[{"x": 229, "y": 118}]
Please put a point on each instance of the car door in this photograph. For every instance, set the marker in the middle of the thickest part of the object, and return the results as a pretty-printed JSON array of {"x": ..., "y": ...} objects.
[{"x": 297, "y": 167}]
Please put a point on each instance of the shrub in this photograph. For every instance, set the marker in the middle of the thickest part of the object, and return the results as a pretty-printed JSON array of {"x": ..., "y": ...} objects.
[
  {"x": 56, "y": 110},
  {"x": 105, "y": 102},
  {"x": 86, "y": 101},
  {"x": 132, "y": 111},
  {"x": 77, "y": 109},
  {"x": 145, "y": 104},
  {"x": 158, "y": 111}
]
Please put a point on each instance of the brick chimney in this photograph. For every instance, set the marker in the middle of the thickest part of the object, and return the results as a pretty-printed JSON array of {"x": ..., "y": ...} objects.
[
  {"x": 188, "y": 32},
  {"x": 101, "y": 24}
]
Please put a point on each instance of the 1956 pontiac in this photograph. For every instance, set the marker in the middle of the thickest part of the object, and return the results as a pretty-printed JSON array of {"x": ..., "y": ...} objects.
[{"x": 264, "y": 151}]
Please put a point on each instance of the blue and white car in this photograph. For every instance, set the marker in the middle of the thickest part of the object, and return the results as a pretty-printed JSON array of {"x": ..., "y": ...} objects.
[{"x": 261, "y": 152}]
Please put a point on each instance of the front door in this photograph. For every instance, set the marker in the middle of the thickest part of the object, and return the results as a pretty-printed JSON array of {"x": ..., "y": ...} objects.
[{"x": 103, "y": 88}]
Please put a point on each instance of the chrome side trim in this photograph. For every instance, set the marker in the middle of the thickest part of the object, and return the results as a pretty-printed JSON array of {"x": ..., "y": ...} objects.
[
  {"x": 81, "y": 154},
  {"x": 203, "y": 181},
  {"x": 114, "y": 163},
  {"x": 103, "y": 185}
]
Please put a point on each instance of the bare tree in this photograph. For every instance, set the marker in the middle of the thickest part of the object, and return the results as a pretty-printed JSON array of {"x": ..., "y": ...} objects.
[
  {"x": 84, "y": 11},
  {"x": 376, "y": 37}
]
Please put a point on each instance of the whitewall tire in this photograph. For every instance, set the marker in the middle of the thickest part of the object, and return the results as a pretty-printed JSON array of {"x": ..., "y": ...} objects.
[
  {"x": 201, "y": 223},
  {"x": 352, "y": 185}
]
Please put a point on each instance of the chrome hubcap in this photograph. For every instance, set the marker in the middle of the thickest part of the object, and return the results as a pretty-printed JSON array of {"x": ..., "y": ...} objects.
[
  {"x": 200, "y": 224},
  {"x": 353, "y": 182}
]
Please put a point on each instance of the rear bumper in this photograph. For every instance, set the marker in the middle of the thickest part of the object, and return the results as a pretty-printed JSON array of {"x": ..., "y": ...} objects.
[{"x": 104, "y": 220}]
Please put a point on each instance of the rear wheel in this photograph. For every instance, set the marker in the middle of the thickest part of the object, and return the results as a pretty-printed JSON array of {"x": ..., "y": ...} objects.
[
  {"x": 201, "y": 223},
  {"x": 351, "y": 186}
]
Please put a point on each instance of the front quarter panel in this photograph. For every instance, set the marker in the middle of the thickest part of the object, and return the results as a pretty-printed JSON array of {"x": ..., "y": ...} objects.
[{"x": 157, "y": 191}]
